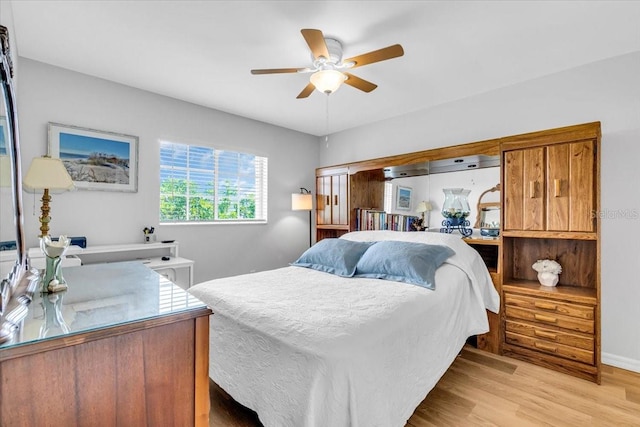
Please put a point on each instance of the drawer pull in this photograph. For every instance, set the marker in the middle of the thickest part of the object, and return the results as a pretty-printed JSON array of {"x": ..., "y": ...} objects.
[
  {"x": 543, "y": 318},
  {"x": 546, "y": 305},
  {"x": 545, "y": 347},
  {"x": 543, "y": 334}
]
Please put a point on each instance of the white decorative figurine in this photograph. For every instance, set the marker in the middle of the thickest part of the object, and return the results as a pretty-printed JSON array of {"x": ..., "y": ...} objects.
[
  {"x": 548, "y": 271},
  {"x": 53, "y": 280}
]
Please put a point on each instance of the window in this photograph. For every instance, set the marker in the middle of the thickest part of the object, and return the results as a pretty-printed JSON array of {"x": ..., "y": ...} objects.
[{"x": 202, "y": 184}]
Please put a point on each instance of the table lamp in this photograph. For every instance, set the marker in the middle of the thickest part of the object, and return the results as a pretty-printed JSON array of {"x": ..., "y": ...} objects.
[
  {"x": 424, "y": 207},
  {"x": 47, "y": 174}
]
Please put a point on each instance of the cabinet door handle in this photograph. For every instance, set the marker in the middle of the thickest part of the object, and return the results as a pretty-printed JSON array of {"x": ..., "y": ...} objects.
[
  {"x": 335, "y": 200},
  {"x": 532, "y": 189},
  {"x": 545, "y": 347},
  {"x": 328, "y": 201},
  {"x": 545, "y": 305},
  {"x": 556, "y": 187},
  {"x": 544, "y": 334},
  {"x": 543, "y": 318}
]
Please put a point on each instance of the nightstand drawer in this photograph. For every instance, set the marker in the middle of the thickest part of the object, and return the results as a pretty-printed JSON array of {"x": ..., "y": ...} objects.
[
  {"x": 577, "y": 354},
  {"x": 550, "y": 306},
  {"x": 567, "y": 322},
  {"x": 584, "y": 342}
]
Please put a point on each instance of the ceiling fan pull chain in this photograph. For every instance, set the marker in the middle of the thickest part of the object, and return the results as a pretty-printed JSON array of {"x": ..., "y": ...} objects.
[{"x": 326, "y": 135}]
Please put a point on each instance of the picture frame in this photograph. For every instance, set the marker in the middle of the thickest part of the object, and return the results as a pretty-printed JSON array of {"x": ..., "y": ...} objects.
[
  {"x": 4, "y": 136},
  {"x": 403, "y": 198},
  {"x": 96, "y": 159}
]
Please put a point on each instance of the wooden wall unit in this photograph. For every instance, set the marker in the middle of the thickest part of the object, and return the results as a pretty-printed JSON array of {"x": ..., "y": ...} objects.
[{"x": 551, "y": 194}]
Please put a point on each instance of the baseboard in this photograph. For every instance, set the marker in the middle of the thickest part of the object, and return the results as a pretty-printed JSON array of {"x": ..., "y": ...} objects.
[{"x": 621, "y": 362}]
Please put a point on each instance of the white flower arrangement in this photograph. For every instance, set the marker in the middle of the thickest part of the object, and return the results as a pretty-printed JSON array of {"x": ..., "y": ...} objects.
[{"x": 547, "y": 266}]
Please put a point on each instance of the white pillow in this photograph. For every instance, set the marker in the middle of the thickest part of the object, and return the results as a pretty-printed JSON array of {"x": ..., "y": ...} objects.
[{"x": 405, "y": 236}]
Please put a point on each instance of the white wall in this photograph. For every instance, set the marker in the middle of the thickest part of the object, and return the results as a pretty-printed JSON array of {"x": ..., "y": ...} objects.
[
  {"x": 606, "y": 91},
  {"x": 50, "y": 94}
]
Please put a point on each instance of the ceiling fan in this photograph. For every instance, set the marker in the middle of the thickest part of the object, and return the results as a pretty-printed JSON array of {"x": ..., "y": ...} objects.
[{"x": 328, "y": 65}]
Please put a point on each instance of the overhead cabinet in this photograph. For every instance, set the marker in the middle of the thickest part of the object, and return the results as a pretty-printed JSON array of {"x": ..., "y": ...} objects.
[{"x": 550, "y": 188}]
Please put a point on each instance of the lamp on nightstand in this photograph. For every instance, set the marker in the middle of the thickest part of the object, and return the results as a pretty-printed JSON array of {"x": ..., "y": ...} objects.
[
  {"x": 424, "y": 208},
  {"x": 303, "y": 201}
]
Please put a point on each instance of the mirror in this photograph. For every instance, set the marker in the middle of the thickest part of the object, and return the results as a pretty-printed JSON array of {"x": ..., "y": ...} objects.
[
  {"x": 429, "y": 188},
  {"x": 12, "y": 310},
  {"x": 488, "y": 213}
]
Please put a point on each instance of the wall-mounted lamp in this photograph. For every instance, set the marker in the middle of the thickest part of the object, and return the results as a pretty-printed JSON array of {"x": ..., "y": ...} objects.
[
  {"x": 303, "y": 201},
  {"x": 48, "y": 174}
]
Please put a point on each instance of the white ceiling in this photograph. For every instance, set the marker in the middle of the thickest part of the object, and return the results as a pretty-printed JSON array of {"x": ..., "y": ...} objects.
[{"x": 202, "y": 51}]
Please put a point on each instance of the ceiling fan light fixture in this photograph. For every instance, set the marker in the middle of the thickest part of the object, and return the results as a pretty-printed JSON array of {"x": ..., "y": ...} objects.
[{"x": 327, "y": 81}]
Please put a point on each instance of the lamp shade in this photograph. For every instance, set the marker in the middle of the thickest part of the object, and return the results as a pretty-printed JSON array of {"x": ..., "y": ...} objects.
[
  {"x": 327, "y": 81},
  {"x": 424, "y": 207},
  {"x": 301, "y": 202},
  {"x": 47, "y": 173}
]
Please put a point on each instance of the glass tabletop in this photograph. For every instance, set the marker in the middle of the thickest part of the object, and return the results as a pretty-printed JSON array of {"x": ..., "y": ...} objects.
[{"x": 101, "y": 296}]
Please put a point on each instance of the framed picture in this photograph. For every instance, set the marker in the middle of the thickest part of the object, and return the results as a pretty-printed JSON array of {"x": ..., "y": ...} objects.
[
  {"x": 96, "y": 160},
  {"x": 403, "y": 198}
]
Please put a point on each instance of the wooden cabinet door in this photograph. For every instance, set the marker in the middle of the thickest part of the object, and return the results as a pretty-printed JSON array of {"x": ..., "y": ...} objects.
[
  {"x": 570, "y": 195},
  {"x": 524, "y": 189},
  {"x": 582, "y": 191},
  {"x": 558, "y": 187}
]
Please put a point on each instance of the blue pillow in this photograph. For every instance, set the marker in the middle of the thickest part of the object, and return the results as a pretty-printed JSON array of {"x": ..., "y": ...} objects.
[
  {"x": 335, "y": 256},
  {"x": 408, "y": 262}
]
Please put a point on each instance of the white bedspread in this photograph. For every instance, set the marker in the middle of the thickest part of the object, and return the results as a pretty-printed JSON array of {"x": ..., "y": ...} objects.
[{"x": 307, "y": 348}]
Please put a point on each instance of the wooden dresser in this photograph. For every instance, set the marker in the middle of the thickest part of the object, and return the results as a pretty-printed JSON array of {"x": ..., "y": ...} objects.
[{"x": 123, "y": 346}]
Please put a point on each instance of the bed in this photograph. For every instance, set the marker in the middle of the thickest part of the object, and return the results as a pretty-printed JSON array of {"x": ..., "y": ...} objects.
[{"x": 307, "y": 347}]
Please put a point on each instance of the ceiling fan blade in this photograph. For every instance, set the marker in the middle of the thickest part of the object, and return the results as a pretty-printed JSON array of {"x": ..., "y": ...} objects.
[
  {"x": 376, "y": 56},
  {"x": 277, "y": 70},
  {"x": 315, "y": 40},
  {"x": 358, "y": 83},
  {"x": 306, "y": 91}
]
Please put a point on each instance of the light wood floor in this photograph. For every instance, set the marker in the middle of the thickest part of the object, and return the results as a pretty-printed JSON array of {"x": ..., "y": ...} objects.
[{"x": 481, "y": 389}]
